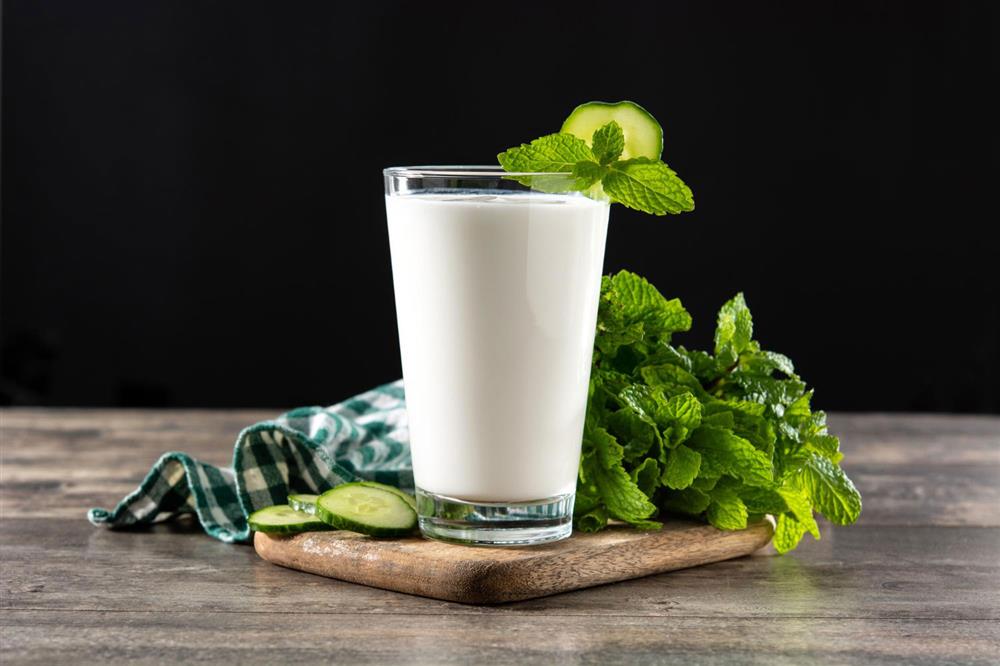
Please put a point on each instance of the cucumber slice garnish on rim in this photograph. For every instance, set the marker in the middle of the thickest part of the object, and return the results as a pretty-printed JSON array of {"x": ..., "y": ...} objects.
[
  {"x": 283, "y": 519},
  {"x": 360, "y": 507},
  {"x": 643, "y": 135},
  {"x": 304, "y": 503}
]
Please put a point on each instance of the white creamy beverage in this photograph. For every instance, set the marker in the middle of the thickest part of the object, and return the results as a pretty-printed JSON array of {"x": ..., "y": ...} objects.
[{"x": 496, "y": 297}]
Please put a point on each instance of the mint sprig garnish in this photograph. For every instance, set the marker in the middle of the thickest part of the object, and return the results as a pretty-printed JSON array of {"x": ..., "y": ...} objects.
[
  {"x": 608, "y": 143},
  {"x": 642, "y": 183},
  {"x": 726, "y": 436}
]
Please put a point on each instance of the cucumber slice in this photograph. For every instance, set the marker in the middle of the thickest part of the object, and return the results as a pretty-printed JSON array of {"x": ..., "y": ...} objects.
[
  {"x": 408, "y": 498},
  {"x": 643, "y": 135},
  {"x": 283, "y": 519},
  {"x": 362, "y": 508},
  {"x": 304, "y": 503}
]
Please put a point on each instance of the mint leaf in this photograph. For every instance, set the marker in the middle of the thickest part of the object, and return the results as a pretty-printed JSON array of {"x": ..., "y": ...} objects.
[
  {"x": 763, "y": 500},
  {"x": 801, "y": 507},
  {"x": 559, "y": 153},
  {"x": 722, "y": 452},
  {"x": 682, "y": 467},
  {"x": 553, "y": 152},
  {"x": 588, "y": 174},
  {"x": 593, "y": 521},
  {"x": 769, "y": 391},
  {"x": 766, "y": 362},
  {"x": 614, "y": 330},
  {"x": 726, "y": 510},
  {"x": 750, "y": 424},
  {"x": 647, "y": 476},
  {"x": 678, "y": 417},
  {"x": 704, "y": 366},
  {"x": 787, "y": 533},
  {"x": 734, "y": 330},
  {"x": 642, "y": 401},
  {"x": 746, "y": 408},
  {"x": 691, "y": 501},
  {"x": 827, "y": 446},
  {"x": 799, "y": 412},
  {"x": 667, "y": 354},
  {"x": 721, "y": 419},
  {"x": 608, "y": 143},
  {"x": 667, "y": 376},
  {"x": 601, "y": 465},
  {"x": 831, "y": 492},
  {"x": 647, "y": 185},
  {"x": 641, "y": 302},
  {"x": 638, "y": 436},
  {"x": 610, "y": 338}
]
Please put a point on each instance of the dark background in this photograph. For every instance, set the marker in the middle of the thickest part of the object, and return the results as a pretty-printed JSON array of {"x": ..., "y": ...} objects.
[{"x": 192, "y": 198}]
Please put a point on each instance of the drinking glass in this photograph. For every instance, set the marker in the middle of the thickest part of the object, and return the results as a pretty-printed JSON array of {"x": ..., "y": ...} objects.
[{"x": 496, "y": 285}]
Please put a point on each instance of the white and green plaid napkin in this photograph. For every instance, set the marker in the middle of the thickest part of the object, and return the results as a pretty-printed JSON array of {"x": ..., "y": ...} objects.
[{"x": 307, "y": 450}]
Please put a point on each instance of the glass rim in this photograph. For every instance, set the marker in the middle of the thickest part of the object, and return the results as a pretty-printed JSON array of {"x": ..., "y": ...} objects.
[{"x": 463, "y": 171}]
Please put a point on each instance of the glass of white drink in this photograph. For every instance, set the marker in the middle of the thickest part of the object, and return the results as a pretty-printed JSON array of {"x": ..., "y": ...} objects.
[{"x": 496, "y": 289}]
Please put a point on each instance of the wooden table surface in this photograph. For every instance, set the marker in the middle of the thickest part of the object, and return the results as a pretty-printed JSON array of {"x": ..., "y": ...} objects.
[{"x": 917, "y": 580}]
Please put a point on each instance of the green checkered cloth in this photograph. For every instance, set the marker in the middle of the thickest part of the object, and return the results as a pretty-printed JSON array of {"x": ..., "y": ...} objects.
[{"x": 307, "y": 450}]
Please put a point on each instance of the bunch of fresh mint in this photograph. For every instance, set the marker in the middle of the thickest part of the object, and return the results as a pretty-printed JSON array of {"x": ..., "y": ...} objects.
[
  {"x": 640, "y": 182},
  {"x": 728, "y": 436}
]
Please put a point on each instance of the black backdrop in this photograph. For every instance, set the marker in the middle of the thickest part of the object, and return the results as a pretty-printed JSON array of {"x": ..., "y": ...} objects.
[{"x": 193, "y": 213}]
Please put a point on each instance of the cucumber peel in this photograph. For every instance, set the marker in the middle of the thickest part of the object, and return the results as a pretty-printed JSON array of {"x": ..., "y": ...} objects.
[
  {"x": 408, "y": 498},
  {"x": 283, "y": 519},
  {"x": 372, "y": 510}
]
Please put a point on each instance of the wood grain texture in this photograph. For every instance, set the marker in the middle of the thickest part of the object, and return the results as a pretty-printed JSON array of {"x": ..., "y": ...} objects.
[
  {"x": 494, "y": 575},
  {"x": 923, "y": 469},
  {"x": 916, "y": 581},
  {"x": 925, "y": 573},
  {"x": 522, "y": 639}
]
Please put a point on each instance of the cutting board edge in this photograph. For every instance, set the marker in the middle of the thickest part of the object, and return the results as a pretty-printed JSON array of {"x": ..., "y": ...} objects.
[
  {"x": 492, "y": 582},
  {"x": 490, "y": 589}
]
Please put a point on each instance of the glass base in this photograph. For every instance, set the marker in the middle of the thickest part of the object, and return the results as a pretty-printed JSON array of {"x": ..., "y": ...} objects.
[{"x": 495, "y": 523}]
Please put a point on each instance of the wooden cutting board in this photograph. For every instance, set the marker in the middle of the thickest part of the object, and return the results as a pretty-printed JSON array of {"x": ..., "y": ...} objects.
[{"x": 476, "y": 575}]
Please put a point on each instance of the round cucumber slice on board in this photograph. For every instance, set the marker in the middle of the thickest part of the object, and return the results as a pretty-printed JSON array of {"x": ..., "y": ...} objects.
[
  {"x": 409, "y": 499},
  {"x": 304, "y": 503},
  {"x": 362, "y": 508},
  {"x": 643, "y": 135},
  {"x": 283, "y": 519}
]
